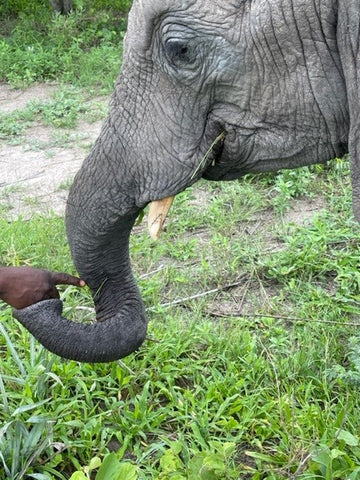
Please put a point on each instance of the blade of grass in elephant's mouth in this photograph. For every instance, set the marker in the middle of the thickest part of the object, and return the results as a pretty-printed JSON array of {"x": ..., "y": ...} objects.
[{"x": 203, "y": 161}]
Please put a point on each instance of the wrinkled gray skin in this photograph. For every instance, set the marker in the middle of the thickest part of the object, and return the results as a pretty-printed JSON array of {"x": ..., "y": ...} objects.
[{"x": 280, "y": 77}]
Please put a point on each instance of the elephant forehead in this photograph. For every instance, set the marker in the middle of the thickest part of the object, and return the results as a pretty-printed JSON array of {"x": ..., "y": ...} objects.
[
  {"x": 216, "y": 6},
  {"x": 145, "y": 13},
  {"x": 283, "y": 18}
]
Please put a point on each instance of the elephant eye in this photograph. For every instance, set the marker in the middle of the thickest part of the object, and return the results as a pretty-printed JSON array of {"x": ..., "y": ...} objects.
[{"x": 179, "y": 52}]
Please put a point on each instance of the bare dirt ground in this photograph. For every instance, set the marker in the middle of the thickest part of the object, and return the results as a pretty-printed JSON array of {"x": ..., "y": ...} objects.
[{"x": 37, "y": 169}]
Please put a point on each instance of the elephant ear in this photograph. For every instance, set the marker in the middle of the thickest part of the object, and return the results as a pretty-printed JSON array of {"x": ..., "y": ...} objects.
[{"x": 348, "y": 37}]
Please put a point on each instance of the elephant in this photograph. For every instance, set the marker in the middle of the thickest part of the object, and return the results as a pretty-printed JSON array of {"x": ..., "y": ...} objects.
[{"x": 208, "y": 89}]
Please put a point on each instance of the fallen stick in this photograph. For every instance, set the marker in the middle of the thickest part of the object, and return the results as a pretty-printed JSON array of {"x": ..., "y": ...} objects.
[
  {"x": 202, "y": 294},
  {"x": 281, "y": 317}
]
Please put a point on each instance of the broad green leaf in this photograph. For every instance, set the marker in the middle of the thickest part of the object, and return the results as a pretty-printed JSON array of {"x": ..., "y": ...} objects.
[
  {"x": 176, "y": 447},
  {"x": 109, "y": 468},
  {"x": 78, "y": 476},
  {"x": 323, "y": 458},
  {"x": 195, "y": 465},
  {"x": 348, "y": 438},
  {"x": 112, "y": 469},
  {"x": 335, "y": 453},
  {"x": 127, "y": 471},
  {"x": 214, "y": 462},
  {"x": 229, "y": 448},
  {"x": 94, "y": 463},
  {"x": 170, "y": 462}
]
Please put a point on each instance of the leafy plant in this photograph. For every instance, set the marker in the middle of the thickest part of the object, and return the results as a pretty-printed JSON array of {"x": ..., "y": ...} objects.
[
  {"x": 291, "y": 184},
  {"x": 335, "y": 462},
  {"x": 9, "y": 126},
  {"x": 83, "y": 47},
  {"x": 62, "y": 111},
  {"x": 213, "y": 464},
  {"x": 23, "y": 443},
  {"x": 350, "y": 373},
  {"x": 109, "y": 469}
]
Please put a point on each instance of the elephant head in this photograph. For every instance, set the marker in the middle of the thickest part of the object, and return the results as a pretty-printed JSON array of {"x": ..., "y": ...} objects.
[{"x": 212, "y": 89}]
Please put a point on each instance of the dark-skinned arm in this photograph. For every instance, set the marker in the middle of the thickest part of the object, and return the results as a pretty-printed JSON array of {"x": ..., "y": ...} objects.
[{"x": 23, "y": 286}]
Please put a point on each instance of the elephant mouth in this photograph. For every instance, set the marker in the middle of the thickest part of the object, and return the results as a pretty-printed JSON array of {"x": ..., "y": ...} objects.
[
  {"x": 159, "y": 208},
  {"x": 217, "y": 151},
  {"x": 220, "y": 160}
]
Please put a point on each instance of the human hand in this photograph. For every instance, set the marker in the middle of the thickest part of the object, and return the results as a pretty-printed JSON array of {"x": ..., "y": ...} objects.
[{"x": 23, "y": 286}]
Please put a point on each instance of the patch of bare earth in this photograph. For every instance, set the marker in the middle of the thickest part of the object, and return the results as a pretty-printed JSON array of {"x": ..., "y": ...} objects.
[{"x": 37, "y": 168}]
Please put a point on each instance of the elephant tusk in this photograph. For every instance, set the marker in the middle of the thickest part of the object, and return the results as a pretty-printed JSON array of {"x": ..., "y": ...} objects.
[{"x": 157, "y": 216}]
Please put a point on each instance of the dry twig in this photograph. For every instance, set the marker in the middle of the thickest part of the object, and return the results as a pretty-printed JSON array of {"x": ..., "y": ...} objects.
[
  {"x": 238, "y": 314},
  {"x": 202, "y": 294}
]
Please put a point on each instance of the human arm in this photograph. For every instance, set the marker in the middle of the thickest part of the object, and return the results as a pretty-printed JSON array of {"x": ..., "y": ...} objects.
[{"x": 23, "y": 286}]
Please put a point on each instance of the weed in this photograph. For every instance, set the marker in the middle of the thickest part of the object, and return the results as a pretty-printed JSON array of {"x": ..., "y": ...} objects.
[
  {"x": 65, "y": 185},
  {"x": 31, "y": 201},
  {"x": 8, "y": 191},
  {"x": 291, "y": 184},
  {"x": 10, "y": 126},
  {"x": 62, "y": 111},
  {"x": 349, "y": 374},
  {"x": 22, "y": 443}
]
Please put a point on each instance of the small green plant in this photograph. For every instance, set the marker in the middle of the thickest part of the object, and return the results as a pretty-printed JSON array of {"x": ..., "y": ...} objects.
[
  {"x": 10, "y": 126},
  {"x": 66, "y": 184},
  {"x": 291, "y": 184},
  {"x": 109, "y": 469},
  {"x": 22, "y": 443},
  {"x": 62, "y": 111},
  {"x": 213, "y": 464},
  {"x": 7, "y": 192},
  {"x": 335, "y": 461},
  {"x": 349, "y": 374}
]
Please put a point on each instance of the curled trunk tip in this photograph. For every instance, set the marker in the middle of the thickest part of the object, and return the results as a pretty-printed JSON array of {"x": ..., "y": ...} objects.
[{"x": 105, "y": 341}]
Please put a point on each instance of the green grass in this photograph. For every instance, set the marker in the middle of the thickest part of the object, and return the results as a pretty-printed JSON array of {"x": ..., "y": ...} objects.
[
  {"x": 269, "y": 391},
  {"x": 258, "y": 381},
  {"x": 66, "y": 107},
  {"x": 83, "y": 48}
]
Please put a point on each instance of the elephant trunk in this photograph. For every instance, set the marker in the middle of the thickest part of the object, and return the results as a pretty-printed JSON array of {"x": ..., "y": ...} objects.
[
  {"x": 121, "y": 325},
  {"x": 98, "y": 228}
]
